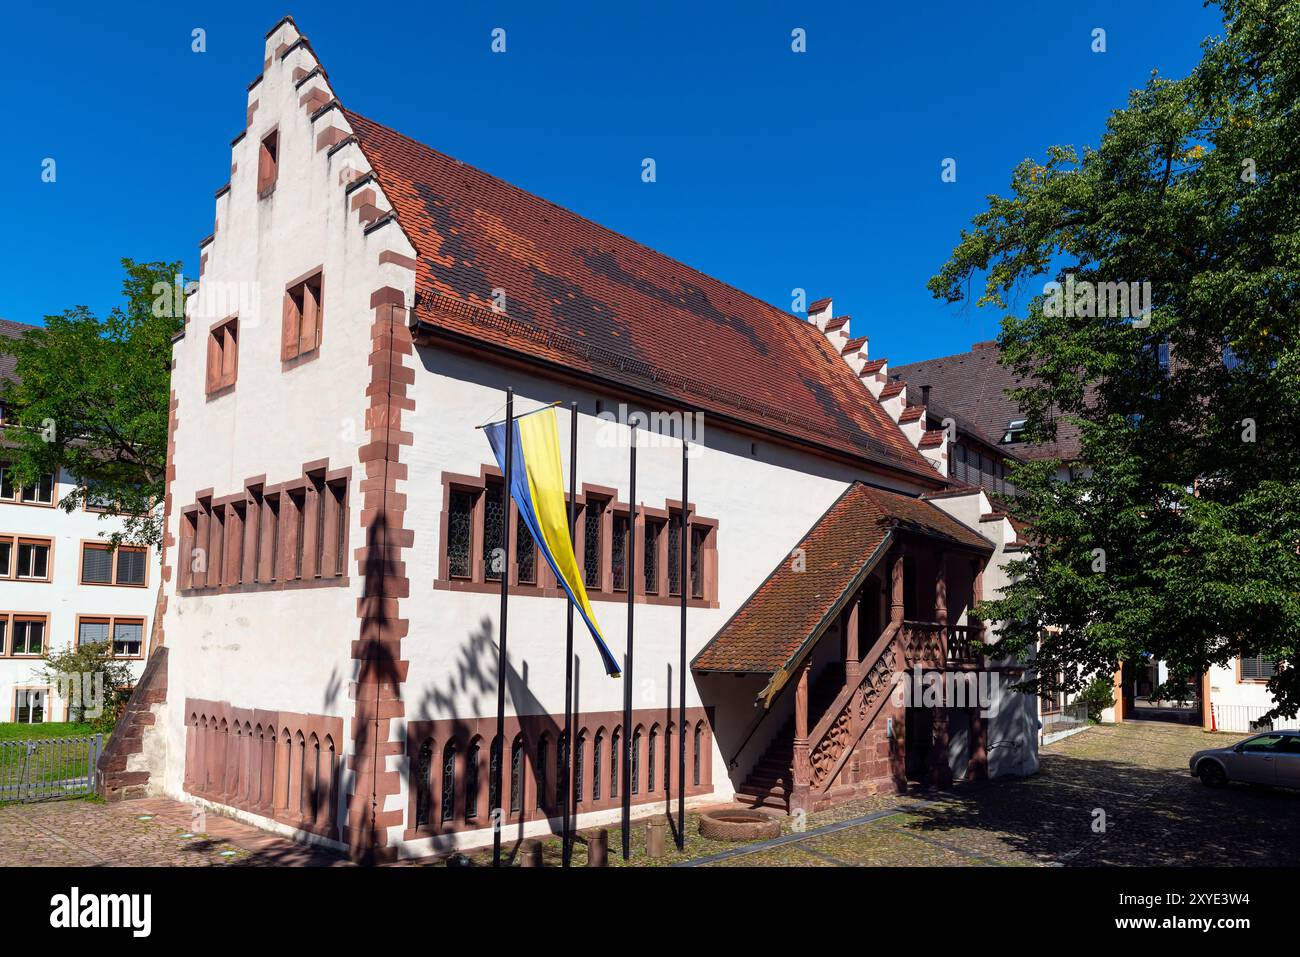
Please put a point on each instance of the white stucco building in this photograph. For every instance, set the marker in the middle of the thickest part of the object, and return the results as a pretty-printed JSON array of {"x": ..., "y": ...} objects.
[
  {"x": 60, "y": 585},
  {"x": 327, "y": 662}
]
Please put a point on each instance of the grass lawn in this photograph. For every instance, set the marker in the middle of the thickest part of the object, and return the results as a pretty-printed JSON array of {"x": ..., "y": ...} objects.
[{"x": 10, "y": 731}]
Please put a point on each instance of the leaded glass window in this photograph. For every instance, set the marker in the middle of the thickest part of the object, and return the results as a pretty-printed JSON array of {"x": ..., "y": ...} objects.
[
  {"x": 525, "y": 555},
  {"x": 517, "y": 776},
  {"x": 579, "y": 762},
  {"x": 543, "y": 751},
  {"x": 494, "y": 532},
  {"x": 650, "y": 760},
  {"x": 619, "y": 554},
  {"x": 494, "y": 764},
  {"x": 613, "y": 764},
  {"x": 699, "y": 736},
  {"x": 449, "y": 781},
  {"x": 423, "y": 767},
  {"x": 650, "y": 559},
  {"x": 460, "y": 533},
  {"x": 697, "y": 548},
  {"x": 636, "y": 761},
  {"x": 675, "y": 555},
  {"x": 471, "y": 782},
  {"x": 591, "y": 544},
  {"x": 559, "y": 769},
  {"x": 596, "y": 765}
]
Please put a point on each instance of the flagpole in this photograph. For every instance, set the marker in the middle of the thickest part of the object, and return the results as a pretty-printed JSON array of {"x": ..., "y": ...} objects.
[
  {"x": 681, "y": 665},
  {"x": 501, "y": 643},
  {"x": 567, "y": 836},
  {"x": 628, "y": 743}
]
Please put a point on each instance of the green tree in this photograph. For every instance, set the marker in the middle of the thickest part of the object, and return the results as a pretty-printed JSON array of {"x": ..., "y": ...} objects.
[
  {"x": 1181, "y": 535},
  {"x": 90, "y": 679},
  {"x": 91, "y": 397}
]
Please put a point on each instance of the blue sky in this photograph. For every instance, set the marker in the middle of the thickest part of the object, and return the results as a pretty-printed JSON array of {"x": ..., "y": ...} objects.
[{"x": 775, "y": 169}]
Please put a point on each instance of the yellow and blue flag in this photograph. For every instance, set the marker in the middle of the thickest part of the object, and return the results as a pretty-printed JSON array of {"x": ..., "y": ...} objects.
[{"x": 537, "y": 487}]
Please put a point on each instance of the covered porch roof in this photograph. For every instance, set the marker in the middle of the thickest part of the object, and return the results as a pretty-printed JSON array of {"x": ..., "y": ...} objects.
[{"x": 770, "y": 633}]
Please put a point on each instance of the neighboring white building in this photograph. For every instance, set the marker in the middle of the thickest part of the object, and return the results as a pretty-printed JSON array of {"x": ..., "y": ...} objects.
[
  {"x": 327, "y": 662},
  {"x": 59, "y": 585}
]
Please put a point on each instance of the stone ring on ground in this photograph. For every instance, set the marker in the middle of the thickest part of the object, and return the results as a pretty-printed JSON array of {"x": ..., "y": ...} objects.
[{"x": 739, "y": 824}]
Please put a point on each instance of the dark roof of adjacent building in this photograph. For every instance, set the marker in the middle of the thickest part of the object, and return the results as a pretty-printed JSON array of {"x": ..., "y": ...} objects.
[
  {"x": 11, "y": 330},
  {"x": 593, "y": 302},
  {"x": 973, "y": 385},
  {"x": 792, "y": 605}
]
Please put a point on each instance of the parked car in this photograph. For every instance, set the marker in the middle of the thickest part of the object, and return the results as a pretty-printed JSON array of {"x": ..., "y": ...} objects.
[{"x": 1271, "y": 758}]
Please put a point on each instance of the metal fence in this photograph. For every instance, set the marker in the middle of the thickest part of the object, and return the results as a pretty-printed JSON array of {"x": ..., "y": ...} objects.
[
  {"x": 1241, "y": 717},
  {"x": 43, "y": 769}
]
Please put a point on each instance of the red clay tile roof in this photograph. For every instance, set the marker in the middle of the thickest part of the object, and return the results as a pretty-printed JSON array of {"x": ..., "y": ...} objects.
[
  {"x": 790, "y": 607},
  {"x": 872, "y": 366},
  {"x": 820, "y": 304},
  {"x": 595, "y": 302},
  {"x": 853, "y": 345},
  {"x": 11, "y": 330},
  {"x": 973, "y": 386}
]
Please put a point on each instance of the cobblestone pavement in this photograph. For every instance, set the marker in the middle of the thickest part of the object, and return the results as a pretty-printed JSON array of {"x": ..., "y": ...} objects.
[
  {"x": 149, "y": 832},
  {"x": 1136, "y": 773}
]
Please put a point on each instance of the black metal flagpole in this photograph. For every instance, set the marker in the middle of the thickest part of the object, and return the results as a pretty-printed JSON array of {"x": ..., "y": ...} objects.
[
  {"x": 628, "y": 743},
  {"x": 567, "y": 837},
  {"x": 499, "y": 742},
  {"x": 681, "y": 664}
]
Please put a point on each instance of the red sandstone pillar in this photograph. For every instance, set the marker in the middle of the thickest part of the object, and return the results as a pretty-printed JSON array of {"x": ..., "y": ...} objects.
[
  {"x": 802, "y": 771},
  {"x": 852, "y": 652}
]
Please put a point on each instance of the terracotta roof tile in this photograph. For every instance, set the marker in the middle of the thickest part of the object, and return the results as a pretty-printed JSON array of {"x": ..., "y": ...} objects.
[
  {"x": 790, "y": 606},
  {"x": 595, "y": 302},
  {"x": 853, "y": 345},
  {"x": 892, "y": 389},
  {"x": 973, "y": 386},
  {"x": 820, "y": 304}
]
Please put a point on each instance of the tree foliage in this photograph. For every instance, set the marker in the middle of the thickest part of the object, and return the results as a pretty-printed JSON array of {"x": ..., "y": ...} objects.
[
  {"x": 91, "y": 398},
  {"x": 1180, "y": 536}
]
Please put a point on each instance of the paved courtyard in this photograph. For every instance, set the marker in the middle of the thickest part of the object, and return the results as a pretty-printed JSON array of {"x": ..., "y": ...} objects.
[{"x": 1155, "y": 814}]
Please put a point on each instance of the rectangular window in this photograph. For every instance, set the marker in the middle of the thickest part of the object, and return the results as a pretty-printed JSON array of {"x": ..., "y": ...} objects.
[
  {"x": 223, "y": 355},
  {"x": 128, "y": 637},
  {"x": 270, "y": 569},
  {"x": 650, "y": 560},
  {"x": 125, "y": 565},
  {"x": 268, "y": 164},
  {"x": 304, "y": 310},
  {"x": 698, "y": 535},
  {"x": 42, "y": 493},
  {"x": 33, "y": 559},
  {"x": 29, "y": 705},
  {"x": 298, "y": 500},
  {"x": 494, "y": 531},
  {"x": 675, "y": 554},
  {"x": 1257, "y": 669},
  {"x": 6, "y": 557},
  {"x": 339, "y": 498},
  {"x": 29, "y": 636},
  {"x": 93, "y": 631},
  {"x": 318, "y": 526},
  {"x": 593, "y": 517},
  {"x": 7, "y": 490},
  {"x": 619, "y": 553},
  {"x": 525, "y": 554},
  {"x": 460, "y": 533}
]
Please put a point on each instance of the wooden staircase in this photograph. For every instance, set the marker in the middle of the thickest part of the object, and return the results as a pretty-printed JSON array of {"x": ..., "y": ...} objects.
[{"x": 769, "y": 781}]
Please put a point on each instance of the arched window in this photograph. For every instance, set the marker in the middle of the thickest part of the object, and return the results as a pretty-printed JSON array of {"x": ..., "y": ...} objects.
[
  {"x": 596, "y": 765},
  {"x": 543, "y": 752},
  {"x": 494, "y": 765},
  {"x": 695, "y": 770},
  {"x": 423, "y": 769},
  {"x": 636, "y": 761},
  {"x": 471, "y": 781},
  {"x": 449, "y": 782},
  {"x": 579, "y": 767},
  {"x": 613, "y": 763},
  {"x": 517, "y": 776},
  {"x": 559, "y": 769},
  {"x": 650, "y": 760}
]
